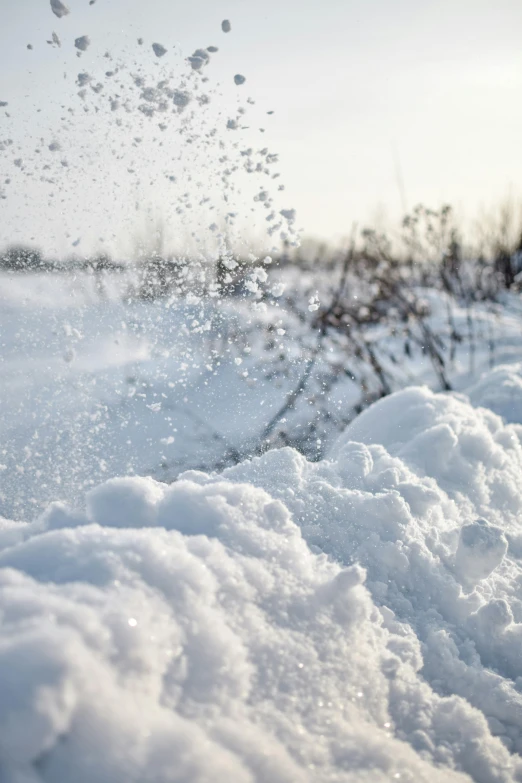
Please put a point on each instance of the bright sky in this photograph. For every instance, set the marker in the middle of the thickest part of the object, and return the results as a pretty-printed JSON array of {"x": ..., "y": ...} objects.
[{"x": 366, "y": 94}]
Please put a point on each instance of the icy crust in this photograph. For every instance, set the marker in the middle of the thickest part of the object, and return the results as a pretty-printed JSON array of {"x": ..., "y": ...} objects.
[{"x": 356, "y": 619}]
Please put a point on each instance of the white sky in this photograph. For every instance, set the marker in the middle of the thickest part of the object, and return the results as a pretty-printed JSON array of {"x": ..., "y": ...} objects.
[{"x": 358, "y": 87}]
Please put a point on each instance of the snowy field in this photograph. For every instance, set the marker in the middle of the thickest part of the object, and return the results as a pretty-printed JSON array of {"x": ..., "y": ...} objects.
[
  {"x": 99, "y": 386},
  {"x": 349, "y": 619}
]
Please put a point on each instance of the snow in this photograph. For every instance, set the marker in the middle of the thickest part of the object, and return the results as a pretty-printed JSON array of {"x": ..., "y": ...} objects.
[
  {"x": 82, "y": 43},
  {"x": 82, "y": 366},
  {"x": 481, "y": 549},
  {"x": 288, "y": 214},
  {"x": 83, "y": 79},
  {"x": 59, "y": 9},
  {"x": 199, "y": 59},
  {"x": 117, "y": 105},
  {"x": 501, "y": 391},
  {"x": 159, "y": 49},
  {"x": 285, "y": 620},
  {"x": 181, "y": 99},
  {"x": 351, "y": 617}
]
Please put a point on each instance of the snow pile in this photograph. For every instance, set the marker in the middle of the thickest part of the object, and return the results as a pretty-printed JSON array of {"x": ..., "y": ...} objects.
[{"x": 223, "y": 626}]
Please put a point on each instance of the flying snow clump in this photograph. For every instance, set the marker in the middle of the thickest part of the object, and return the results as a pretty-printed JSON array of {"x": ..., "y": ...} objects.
[
  {"x": 59, "y": 9},
  {"x": 159, "y": 50},
  {"x": 82, "y": 43},
  {"x": 200, "y": 58},
  {"x": 181, "y": 99},
  {"x": 288, "y": 214}
]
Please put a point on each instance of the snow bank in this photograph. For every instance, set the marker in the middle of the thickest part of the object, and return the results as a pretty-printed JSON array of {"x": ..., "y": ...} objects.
[{"x": 355, "y": 619}]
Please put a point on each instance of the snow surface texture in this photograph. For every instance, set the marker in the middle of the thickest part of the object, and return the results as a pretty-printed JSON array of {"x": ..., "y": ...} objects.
[{"x": 355, "y": 619}]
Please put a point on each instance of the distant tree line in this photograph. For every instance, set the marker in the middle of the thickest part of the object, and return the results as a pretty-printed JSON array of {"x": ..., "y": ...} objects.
[{"x": 23, "y": 258}]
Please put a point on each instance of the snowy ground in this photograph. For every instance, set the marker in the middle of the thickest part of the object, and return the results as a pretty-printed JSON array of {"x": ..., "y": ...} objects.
[
  {"x": 95, "y": 386},
  {"x": 99, "y": 388},
  {"x": 358, "y": 618},
  {"x": 353, "y": 619}
]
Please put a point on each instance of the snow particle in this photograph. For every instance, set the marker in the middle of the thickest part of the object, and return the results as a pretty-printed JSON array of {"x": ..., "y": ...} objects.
[
  {"x": 159, "y": 50},
  {"x": 226, "y": 26},
  {"x": 83, "y": 79},
  {"x": 59, "y": 9},
  {"x": 181, "y": 99},
  {"x": 82, "y": 43},
  {"x": 199, "y": 59},
  {"x": 288, "y": 214},
  {"x": 239, "y": 79}
]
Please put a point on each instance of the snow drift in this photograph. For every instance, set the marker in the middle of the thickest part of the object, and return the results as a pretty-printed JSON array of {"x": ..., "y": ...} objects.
[{"x": 355, "y": 619}]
